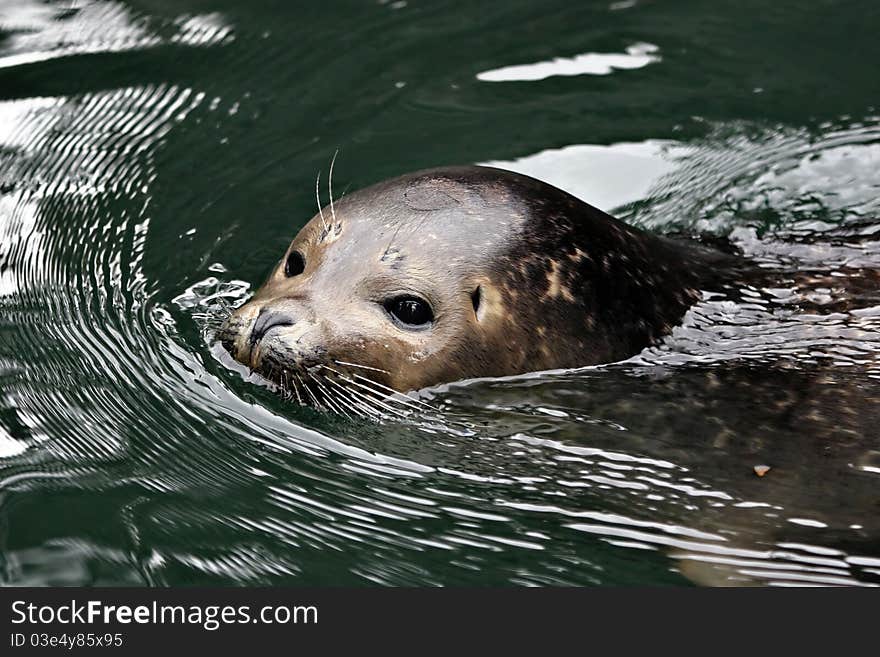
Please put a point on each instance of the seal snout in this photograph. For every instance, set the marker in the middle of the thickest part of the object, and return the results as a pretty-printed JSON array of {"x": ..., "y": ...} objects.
[{"x": 266, "y": 320}]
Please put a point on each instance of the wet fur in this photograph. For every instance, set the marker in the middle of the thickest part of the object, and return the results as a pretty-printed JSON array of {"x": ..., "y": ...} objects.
[{"x": 522, "y": 277}]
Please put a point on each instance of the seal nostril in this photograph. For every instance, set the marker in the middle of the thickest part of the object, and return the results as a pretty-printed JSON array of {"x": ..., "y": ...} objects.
[{"x": 268, "y": 319}]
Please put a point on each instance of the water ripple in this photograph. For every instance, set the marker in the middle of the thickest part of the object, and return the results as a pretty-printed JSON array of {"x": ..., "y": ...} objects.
[{"x": 133, "y": 451}]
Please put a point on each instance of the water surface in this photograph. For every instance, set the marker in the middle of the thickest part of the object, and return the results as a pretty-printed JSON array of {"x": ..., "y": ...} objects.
[{"x": 157, "y": 157}]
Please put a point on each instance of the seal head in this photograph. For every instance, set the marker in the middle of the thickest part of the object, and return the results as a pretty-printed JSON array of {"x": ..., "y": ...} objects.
[{"x": 456, "y": 273}]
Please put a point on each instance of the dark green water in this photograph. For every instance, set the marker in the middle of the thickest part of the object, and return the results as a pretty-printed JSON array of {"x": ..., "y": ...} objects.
[{"x": 157, "y": 157}]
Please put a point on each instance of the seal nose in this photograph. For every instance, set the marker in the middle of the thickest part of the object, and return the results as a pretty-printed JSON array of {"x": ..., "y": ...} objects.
[{"x": 266, "y": 320}]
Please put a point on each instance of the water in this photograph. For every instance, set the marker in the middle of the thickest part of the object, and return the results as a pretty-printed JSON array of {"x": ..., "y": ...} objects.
[{"x": 156, "y": 158}]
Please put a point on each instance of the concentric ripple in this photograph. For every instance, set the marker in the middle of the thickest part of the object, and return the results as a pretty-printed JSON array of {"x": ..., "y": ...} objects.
[{"x": 154, "y": 166}]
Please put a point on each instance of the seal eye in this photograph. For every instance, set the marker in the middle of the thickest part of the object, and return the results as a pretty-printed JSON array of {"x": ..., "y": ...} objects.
[
  {"x": 410, "y": 311},
  {"x": 295, "y": 264}
]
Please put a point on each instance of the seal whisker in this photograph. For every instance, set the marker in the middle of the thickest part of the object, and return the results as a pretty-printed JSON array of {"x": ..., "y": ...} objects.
[
  {"x": 349, "y": 395},
  {"x": 330, "y": 189},
  {"x": 341, "y": 398},
  {"x": 373, "y": 400},
  {"x": 392, "y": 394},
  {"x": 294, "y": 386},
  {"x": 322, "y": 397},
  {"x": 328, "y": 397},
  {"x": 390, "y": 242},
  {"x": 345, "y": 401},
  {"x": 273, "y": 386},
  {"x": 367, "y": 410},
  {"x": 365, "y": 367},
  {"x": 380, "y": 402},
  {"x": 395, "y": 394},
  {"x": 318, "y": 199},
  {"x": 352, "y": 405},
  {"x": 289, "y": 387},
  {"x": 320, "y": 392},
  {"x": 309, "y": 390}
]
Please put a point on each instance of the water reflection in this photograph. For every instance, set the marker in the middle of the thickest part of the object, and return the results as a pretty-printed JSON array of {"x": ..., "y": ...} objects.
[
  {"x": 607, "y": 177},
  {"x": 133, "y": 452},
  {"x": 637, "y": 55}
]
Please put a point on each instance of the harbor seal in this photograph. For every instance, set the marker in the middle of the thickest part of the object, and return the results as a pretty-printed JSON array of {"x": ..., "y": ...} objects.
[{"x": 456, "y": 273}]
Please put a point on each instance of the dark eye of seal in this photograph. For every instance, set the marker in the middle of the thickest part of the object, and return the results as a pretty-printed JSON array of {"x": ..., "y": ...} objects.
[
  {"x": 295, "y": 264},
  {"x": 412, "y": 312}
]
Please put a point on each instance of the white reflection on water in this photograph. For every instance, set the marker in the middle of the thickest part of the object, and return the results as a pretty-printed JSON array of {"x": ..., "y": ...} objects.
[
  {"x": 799, "y": 181},
  {"x": 9, "y": 446},
  {"x": 604, "y": 176},
  {"x": 41, "y": 31},
  {"x": 637, "y": 55}
]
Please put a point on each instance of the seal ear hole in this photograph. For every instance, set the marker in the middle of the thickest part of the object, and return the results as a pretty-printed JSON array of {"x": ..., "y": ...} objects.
[
  {"x": 295, "y": 264},
  {"x": 476, "y": 297}
]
